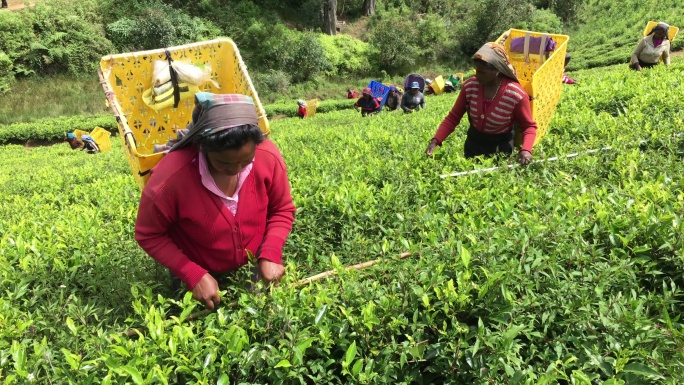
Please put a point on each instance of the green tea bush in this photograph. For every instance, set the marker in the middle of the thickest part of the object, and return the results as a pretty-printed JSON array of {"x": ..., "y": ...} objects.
[
  {"x": 608, "y": 33},
  {"x": 559, "y": 272},
  {"x": 290, "y": 109},
  {"x": 52, "y": 129}
]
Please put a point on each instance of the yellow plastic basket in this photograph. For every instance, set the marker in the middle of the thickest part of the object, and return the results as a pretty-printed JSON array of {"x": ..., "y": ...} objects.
[
  {"x": 102, "y": 138},
  {"x": 124, "y": 77},
  {"x": 539, "y": 76},
  {"x": 311, "y": 106},
  {"x": 438, "y": 85},
  {"x": 671, "y": 34},
  {"x": 78, "y": 133}
]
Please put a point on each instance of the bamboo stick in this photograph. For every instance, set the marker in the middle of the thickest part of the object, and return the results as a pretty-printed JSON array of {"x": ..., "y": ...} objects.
[
  {"x": 303, "y": 282},
  {"x": 359, "y": 266}
]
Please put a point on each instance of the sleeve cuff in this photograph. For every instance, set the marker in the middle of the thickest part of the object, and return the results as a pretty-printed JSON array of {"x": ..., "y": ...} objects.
[
  {"x": 271, "y": 254},
  {"x": 191, "y": 274}
]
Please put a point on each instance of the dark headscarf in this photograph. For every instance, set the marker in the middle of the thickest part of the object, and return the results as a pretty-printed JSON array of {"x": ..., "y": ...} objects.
[
  {"x": 662, "y": 26},
  {"x": 218, "y": 112}
]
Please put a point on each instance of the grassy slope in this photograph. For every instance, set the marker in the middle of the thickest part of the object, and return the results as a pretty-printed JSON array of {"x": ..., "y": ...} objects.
[
  {"x": 574, "y": 252},
  {"x": 610, "y": 30}
]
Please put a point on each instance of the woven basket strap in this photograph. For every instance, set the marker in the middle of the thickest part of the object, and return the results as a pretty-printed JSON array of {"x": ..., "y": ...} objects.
[
  {"x": 542, "y": 47},
  {"x": 526, "y": 50},
  {"x": 174, "y": 79}
]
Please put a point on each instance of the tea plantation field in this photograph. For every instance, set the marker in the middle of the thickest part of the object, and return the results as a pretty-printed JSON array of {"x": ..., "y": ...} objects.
[{"x": 566, "y": 272}]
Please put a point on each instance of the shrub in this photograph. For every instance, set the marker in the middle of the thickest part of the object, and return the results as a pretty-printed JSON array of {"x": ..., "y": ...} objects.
[
  {"x": 271, "y": 82},
  {"x": 486, "y": 20},
  {"x": 6, "y": 74},
  {"x": 17, "y": 34},
  {"x": 69, "y": 37},
  {"x": 393, "y": 41},
  {"x": 543, "y": 20},
  {"x": 308, "y": 58},
  {"x": 159, "y": 25},
  {"x": 348, "y": 56}
]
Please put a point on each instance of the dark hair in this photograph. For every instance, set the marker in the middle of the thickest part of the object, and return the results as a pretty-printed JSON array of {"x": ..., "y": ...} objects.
[
  {"x": 487, "y": 65},
  {"x": 230, "y": 139}
]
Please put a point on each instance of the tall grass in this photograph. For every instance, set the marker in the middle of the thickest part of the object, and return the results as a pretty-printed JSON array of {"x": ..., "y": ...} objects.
[{"x": 36, "y": 98}]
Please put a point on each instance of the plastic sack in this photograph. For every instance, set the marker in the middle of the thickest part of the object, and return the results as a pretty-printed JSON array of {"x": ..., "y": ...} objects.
[
  {"x": 187, "y": 73},
  {"x": 518, "y": 44},
  {"x": 166, "y": 99}
]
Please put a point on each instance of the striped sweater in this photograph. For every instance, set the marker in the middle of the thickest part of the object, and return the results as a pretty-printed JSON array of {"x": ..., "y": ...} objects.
[{"x": 511, "y": 105}]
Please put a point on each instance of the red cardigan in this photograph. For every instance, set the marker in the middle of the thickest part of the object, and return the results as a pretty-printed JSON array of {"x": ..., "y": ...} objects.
[
  {"x": 190, "y": 231},
  {"x": 301, "y": 112},
  {"x": 510, "y": 105}
]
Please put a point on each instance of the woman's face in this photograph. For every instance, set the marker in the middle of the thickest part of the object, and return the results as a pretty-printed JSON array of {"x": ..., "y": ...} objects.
[
  {"x": 231, "y": 162},
  {"x": 658, "y": 34},
  {"x": 484, "y": 74},
  {"x": 414, "y": 91}
]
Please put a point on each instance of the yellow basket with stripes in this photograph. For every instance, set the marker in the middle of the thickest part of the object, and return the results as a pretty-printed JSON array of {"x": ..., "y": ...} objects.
[
  {"x": 124, "y": 78},
  {"x": 540, "y": 75}
]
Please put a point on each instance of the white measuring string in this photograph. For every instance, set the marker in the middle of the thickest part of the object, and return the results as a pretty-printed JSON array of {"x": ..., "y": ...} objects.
[{"x": 552, "y": 159}]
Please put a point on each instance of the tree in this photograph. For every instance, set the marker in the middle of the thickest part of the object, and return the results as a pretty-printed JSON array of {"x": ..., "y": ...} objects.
[
  {"x": 368, "y": 7},
  {"x": 330, "y": 17}
]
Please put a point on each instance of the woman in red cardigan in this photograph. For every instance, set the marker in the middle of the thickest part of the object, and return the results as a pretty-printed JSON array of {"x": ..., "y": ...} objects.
[
  {"x": 495, "y": 103},
  {"x": 220, "y": 192}
]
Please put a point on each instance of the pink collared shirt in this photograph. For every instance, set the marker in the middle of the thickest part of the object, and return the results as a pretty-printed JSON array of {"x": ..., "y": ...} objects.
[{"x": 209, "y": 183}]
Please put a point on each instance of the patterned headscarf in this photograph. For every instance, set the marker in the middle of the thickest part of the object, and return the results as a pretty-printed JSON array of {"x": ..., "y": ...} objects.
[
  {"x": 215, "y": 113},
  {"x": 496, "y": 55}
]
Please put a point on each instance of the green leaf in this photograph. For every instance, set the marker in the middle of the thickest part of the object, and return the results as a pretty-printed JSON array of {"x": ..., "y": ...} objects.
[
  {"x": 465, "y": 257},
  {"x": 283, "y": 364},
  {"x": 641, "y": 369},
  {"x": 133, "y": 372},
  {"x": 71, "y": 326},
  {"x": 351, "y": 353},
  {"x": 223, "y": 380},
  {"x": 320, "y": 314},
  {"x": 112, "y": 363},
  {"x": 358, "y": 366}
]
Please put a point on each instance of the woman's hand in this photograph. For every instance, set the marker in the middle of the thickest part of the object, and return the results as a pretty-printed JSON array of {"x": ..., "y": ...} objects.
[
  {"x": 206, "y": 291},
  {"x": 431, "y": 147},
  {"x": 270, "y": 271},
  {"x": 524, "y": 157}
]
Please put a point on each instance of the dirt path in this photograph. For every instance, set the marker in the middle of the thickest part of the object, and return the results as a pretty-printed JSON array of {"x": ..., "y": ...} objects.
[
  {"x": 677, "y": 53},
  {"x": 15, "y": 5}
]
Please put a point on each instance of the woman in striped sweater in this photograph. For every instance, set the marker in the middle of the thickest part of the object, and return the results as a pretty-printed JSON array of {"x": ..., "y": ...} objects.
[{"x": 496, "y": 104}]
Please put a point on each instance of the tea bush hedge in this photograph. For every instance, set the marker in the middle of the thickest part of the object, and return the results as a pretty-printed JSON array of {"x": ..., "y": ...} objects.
[{"x": 560, "y": 272}]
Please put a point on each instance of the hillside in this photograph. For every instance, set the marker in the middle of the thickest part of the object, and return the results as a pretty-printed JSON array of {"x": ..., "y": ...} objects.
[
  {"x": 566, "y": 271},
  {"x": 609, "y": 31}
]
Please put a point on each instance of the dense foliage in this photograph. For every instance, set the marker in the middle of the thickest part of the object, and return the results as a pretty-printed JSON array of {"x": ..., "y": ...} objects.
[
  {"x": 52, "y": 129},
  {"x": 561, "y": 272},
  {"x": 56, "y": 36},
  {"x": 609, "y": 31}
]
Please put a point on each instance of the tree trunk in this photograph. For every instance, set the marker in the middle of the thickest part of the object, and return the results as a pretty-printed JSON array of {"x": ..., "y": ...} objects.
[
  {"x": 368, "y": 7},
  {"x": 330, "y": 17}
]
